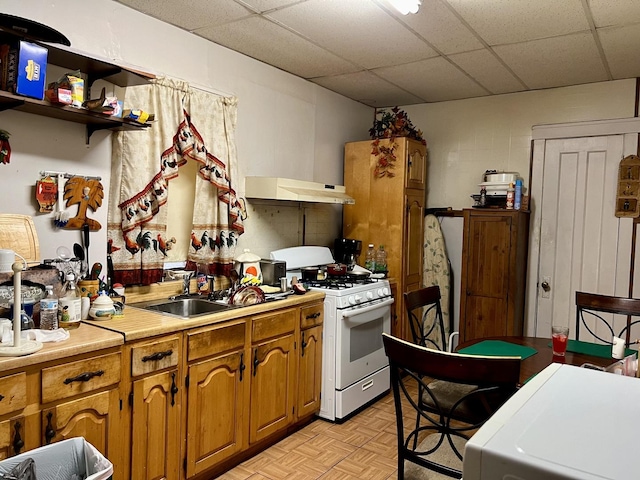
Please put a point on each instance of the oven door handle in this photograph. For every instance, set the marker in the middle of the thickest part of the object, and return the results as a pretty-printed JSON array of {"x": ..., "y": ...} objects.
[{"x": 359, "y": 311}]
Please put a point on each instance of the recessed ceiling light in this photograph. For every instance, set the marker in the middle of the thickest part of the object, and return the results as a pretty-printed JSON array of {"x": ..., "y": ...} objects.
[{"x": 406, "y": 6}]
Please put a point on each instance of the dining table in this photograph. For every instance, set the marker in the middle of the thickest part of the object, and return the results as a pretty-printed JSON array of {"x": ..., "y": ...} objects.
[{"x": 534, "y": 362}]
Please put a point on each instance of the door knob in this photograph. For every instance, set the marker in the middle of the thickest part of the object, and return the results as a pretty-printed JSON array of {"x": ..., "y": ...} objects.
[{"x": 545, "y": 286}]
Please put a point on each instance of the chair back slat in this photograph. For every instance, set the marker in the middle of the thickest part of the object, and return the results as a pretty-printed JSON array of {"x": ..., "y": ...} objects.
[{"x": 424, "y": 313}]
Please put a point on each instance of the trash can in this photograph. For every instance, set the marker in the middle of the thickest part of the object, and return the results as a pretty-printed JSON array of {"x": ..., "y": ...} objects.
[{"x": 72, "y": 459}]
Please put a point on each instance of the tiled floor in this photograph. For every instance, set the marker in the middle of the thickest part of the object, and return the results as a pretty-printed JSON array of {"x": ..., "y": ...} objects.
[{"x": 362, "y": 448}]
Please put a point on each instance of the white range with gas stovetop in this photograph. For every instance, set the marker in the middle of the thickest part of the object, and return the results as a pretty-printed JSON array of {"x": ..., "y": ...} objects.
[{"x": 357, "y": 310}]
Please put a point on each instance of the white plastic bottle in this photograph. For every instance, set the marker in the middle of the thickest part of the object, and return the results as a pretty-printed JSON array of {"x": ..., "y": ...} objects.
[
  {"x": 49, "y": 310},
  {"x": 370, "y": 259},
  {"x": 70, "y": 305}
]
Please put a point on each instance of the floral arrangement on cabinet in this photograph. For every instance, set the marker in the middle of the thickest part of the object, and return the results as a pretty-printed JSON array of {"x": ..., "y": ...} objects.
[{"x": 389, "y": 125}]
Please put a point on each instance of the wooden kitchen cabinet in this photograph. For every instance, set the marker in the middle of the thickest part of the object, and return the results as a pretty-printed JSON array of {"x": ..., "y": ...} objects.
[
  {"x": 217, "y": 395},
  {"x": 273, "y": 373},
  {"x": 155, "y": 402},
  {"x": 389, "y": 211},
  {"x": 310, "y": 360},
  {"x": 494, "y": 262},
  {"x": 13, "y": 400}
]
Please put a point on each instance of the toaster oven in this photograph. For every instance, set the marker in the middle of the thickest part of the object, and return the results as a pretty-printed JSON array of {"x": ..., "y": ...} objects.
[{"x": 272, "y": 271}]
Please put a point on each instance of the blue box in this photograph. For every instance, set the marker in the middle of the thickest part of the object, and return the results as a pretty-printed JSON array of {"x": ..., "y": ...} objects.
[{"x": 32, "y": 70}]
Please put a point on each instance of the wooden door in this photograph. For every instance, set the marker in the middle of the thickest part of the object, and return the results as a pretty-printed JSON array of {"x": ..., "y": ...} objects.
[
  {"x": 12, "y": 437},
  {"x": 416, "y": 164},
  {"x": 217, "y": 404},
  {"x": 583, "y": 246},
  {"x": 272, "y": 387},
  {"x": 93, "y": 417},
  {"x": 156, "y": 427},
  {"x": 414, "y": 234},
  {"x": 310, "y": 371},
  {"x": 486, "y": 254}
]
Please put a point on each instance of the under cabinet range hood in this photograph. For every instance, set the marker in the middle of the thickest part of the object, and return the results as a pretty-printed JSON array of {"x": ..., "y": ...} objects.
[{"x": 275, "y": 188}]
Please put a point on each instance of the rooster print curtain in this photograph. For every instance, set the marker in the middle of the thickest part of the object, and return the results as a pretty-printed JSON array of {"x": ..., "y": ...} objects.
[{"x": 191, "y": 124}]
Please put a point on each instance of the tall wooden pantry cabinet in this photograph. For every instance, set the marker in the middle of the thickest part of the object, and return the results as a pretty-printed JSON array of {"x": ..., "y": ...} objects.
[
  {"x": 494, "y": 265},
  {"x": 389, "y": 211}
]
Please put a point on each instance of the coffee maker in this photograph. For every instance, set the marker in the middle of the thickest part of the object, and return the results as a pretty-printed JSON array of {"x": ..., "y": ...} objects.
[{"x": 347, "y": 251}]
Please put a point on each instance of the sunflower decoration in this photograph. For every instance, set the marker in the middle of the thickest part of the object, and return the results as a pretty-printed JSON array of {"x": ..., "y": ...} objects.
[{"x": 389, "y": 125}]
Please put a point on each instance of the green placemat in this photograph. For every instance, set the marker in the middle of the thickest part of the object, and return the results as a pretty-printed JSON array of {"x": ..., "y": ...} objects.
[
  {"x": 594, "y": 349},
  {"x": 498, "y": 348}
]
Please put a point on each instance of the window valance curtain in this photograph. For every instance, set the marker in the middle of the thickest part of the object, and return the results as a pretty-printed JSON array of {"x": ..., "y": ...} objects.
[{"x": 190, "y": 124}]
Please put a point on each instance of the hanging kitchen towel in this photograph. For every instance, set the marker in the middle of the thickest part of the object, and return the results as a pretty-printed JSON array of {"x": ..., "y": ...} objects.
[{"x": 435, "y": 267}]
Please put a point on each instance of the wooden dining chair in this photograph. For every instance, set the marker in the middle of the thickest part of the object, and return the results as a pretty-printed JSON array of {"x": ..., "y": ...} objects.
[
  {"x": 424, "y": 313},
  {"x": 436, "y": 442},
  {"x": 595, "y": 312}
]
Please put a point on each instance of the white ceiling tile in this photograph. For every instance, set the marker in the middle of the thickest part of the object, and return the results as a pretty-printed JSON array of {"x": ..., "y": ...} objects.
[
  {"x": 434, "y": 80},
  {"x": 284, "y": 49},
  {"x": 440, "y": 27},
  {"x": 511, "y": 21},
  {"x": 358, "y": 30},
  {"x": 267, "y": 5},
  {"x": 615, "y": 12},
  {"x": 368, "y": 89},
  {"x": 620, "y": 47},
  {"x": 487, "y": 70},
  {"x": 553, "y": 62},
  {"x": 190, "y": 14}
]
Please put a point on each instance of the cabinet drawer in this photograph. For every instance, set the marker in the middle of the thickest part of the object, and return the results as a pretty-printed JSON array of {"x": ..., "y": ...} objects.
[
  {"x": 218, "y": 339},
  {"x": 311, "y": 315},
  {"x": 13, "y": 393},
  {"x": 273, "y": 324},
  {"x": 64, "y": 381},
  {"x": 154, "y": 356}
]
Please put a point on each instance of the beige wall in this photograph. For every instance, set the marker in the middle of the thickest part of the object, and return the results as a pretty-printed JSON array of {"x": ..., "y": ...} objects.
[{"x": 467, "y": 137}]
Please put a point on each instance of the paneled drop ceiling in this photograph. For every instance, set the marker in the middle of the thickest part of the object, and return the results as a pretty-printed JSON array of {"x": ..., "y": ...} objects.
[{"x": 450, "y": 49}]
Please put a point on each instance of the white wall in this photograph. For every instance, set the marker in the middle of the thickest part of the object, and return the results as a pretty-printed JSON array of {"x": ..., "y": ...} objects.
[
  {"x": 286, "y": 126},
  {"x": 467, "y": 137}
]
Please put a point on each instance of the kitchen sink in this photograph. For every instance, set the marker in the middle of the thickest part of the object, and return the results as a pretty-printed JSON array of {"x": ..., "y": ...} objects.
[{"x": 184, "y": 307}]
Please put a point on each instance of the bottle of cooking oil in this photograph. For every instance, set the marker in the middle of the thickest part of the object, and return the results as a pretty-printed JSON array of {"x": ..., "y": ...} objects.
[
  {"x": 370, "y": 258},
  {"x": 381, "y": 260}
]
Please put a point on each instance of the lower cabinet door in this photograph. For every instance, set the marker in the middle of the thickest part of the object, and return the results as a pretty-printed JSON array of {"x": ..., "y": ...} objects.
[
  {"x": 12, "y": 437},
  {"x": 273, "y": 379},
  {"x": 310, "y": 371},
  {"x": 94, "y": 417},
  {"x": 156, "y": 428},
  {"x": 217, "y": 404}
]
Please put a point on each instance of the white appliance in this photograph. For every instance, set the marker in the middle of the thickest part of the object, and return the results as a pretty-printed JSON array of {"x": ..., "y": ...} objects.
[
  {"x": 355, "y": 369},
  {"x": 566, "y": 423}
]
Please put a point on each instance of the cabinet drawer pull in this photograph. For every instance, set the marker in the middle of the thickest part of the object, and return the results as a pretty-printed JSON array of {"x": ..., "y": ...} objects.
[
  {"x": 84, "y": 377},
  {"x": 1, "y": 397},
  {"x": 157, "y": 356},
  {"x": 313, "y": 316}
]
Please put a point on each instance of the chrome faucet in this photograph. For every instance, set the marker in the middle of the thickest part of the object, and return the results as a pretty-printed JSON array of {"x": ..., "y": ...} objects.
[{"x": 186, "y": 285}]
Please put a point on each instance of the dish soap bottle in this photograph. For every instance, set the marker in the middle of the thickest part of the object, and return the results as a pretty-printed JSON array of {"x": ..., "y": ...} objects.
[{"x": 370, "y": 258}]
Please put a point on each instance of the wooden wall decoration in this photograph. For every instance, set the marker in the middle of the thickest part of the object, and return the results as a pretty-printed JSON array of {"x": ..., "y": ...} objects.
[
  {"x": 87, "y": 194},
  {"x": 628, "y": 193}
]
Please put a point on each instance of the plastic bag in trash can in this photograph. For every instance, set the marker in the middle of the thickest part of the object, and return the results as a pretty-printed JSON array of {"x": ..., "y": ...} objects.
[
  {"x": 72, "y": 459},
  {"x": 25, "y": 470}
]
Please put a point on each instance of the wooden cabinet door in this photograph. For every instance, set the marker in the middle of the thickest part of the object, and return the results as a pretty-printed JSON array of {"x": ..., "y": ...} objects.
[
  {"x": 94, "y": 417},
  {"x": 416, "y": 164},
  {"x": 218, "y": 396},
  {"x": 156, "y": 427},
  {"x": 486, "y": 275},
  {"x": 414, "y": 234},
  {"x": 273, "y": 379},
  {"x": 310, "y": 371}
]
